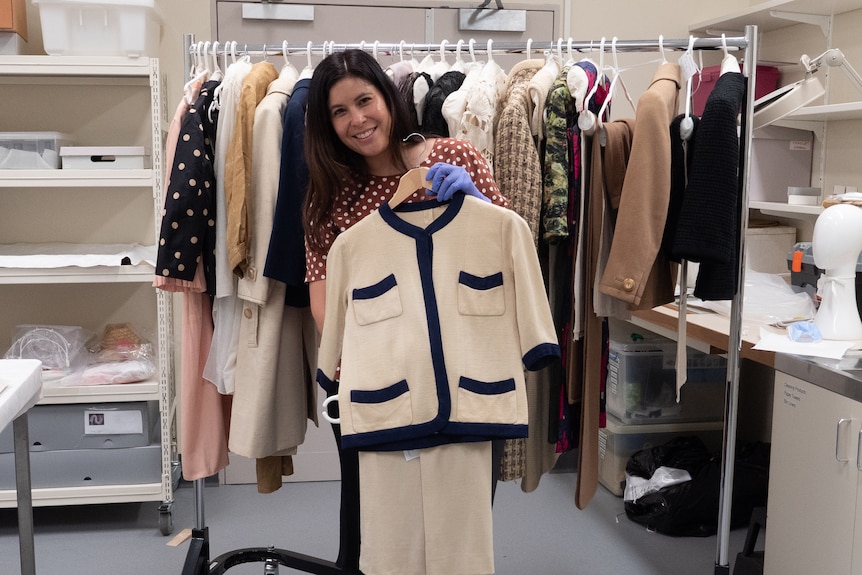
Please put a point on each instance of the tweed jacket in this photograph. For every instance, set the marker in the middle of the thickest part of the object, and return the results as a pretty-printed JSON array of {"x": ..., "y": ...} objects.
[
  {"x": 519, "y": 172},
  {"x": 636, "y": 271},
  {"x": 433, "y": 313}
]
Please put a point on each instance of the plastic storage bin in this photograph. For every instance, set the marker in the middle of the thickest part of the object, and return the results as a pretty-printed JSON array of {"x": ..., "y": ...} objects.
[
  {"x": 31, "y": 150},
  {"x": 766, "y": 82},
  {"x": 618, "y": 442},
  {"x": 641, "y": 383},
  {"x": 89, "y": 426},
  {"x": 102, "y": 158},
  {"x": 100, "y": 27}
]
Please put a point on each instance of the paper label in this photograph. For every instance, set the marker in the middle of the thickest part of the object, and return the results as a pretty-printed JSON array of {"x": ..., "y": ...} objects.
[
  {"x": 116, "y": 422},
  {"x": 800, "y": 145},
  {"x": 687, "y": 66}
]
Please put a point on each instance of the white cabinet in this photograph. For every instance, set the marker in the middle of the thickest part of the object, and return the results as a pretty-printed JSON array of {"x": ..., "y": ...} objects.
[
  {"x": 815, "y": 481},
  {"x": 96, "y": 102}
]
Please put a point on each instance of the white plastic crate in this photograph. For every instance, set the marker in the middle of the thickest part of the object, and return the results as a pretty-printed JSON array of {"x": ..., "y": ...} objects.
[
  {"x": 641, "y": 383},
  {"x": 31, "y": 150},
  {"x": 618, "y": 442},
  {"x": 100, "y": 27},
  {"x": 102, "y": 157}
]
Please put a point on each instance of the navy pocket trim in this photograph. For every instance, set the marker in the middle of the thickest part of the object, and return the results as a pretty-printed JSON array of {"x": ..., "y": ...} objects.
[
  {"x": 487, "y": 387},
  {"x": 375, "y": 290},
  {"x": 481, "y": 283},
  {"x": 379, "y": 395}
]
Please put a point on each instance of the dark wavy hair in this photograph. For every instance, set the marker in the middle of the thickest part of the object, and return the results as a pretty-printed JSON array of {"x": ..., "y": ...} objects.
[{"x": 330, "y": 162}]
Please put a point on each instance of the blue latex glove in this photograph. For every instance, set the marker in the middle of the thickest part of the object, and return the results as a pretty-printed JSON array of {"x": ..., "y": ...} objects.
[{"x": 448, "y": 179}]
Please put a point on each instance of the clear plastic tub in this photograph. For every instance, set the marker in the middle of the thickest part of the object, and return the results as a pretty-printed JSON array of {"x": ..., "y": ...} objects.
[{"x": 31, "y": 150}]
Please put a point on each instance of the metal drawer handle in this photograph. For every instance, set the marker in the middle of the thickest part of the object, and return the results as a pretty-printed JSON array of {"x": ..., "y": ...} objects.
[{"x": 841, "y": 422}]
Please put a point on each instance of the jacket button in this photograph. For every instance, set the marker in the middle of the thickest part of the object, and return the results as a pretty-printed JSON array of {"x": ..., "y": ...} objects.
[
  {"x": 247, "y": 313},
  {"x": 628, "y": 284}
]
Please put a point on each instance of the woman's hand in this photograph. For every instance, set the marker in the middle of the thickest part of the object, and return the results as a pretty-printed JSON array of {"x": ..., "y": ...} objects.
[{"x": 449, "y": 179}]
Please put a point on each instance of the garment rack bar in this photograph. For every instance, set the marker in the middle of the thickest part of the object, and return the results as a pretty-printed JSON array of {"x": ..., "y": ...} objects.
[{"x": 583, "y": 46}]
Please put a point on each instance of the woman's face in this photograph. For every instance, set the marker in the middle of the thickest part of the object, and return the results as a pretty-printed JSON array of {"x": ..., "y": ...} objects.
[{"x": 362, "y": 120}]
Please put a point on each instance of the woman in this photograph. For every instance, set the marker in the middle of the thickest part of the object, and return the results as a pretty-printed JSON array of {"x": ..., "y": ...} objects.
[
  {"x": 360, "y": 139},
  {"x": 359, "y": 131}
]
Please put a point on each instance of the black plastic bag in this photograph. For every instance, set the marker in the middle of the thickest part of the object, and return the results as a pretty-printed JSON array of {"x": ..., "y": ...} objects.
[{"x": 691, "y": 508}]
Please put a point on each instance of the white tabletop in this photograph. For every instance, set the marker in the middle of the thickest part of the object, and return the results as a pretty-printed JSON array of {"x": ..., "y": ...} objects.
[{"x": 20, "y": 387}]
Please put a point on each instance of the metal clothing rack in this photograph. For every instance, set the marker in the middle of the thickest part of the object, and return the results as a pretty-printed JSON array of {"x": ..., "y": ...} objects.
[{"x": 197, "y": 558}]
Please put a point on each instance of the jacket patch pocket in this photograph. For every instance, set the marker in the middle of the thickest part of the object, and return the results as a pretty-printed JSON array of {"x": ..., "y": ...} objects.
[
  {"x": 487, "y": 401},
  {"x": 377, "y": 302},
  {"x": 385, "y": 408},
  {"x": 481, "y": 295}
]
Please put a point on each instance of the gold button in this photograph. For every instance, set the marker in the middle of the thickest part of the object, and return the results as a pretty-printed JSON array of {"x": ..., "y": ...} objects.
[
  {"x": 628, "y": 284},
  {"x": 247, "y": 313}
]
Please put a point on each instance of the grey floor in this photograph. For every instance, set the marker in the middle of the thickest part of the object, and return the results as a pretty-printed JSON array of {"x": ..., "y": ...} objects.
[{"x": 538, "y": 533}]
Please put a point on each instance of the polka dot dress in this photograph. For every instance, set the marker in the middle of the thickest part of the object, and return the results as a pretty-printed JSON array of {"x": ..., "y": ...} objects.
[{"x": 349, "y": 208}]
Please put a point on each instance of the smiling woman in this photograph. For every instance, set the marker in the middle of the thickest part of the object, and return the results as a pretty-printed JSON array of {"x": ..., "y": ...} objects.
[{"x": 360, "y": 140}]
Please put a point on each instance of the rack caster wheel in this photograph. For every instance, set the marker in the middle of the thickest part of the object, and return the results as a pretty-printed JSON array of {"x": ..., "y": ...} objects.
[{"x": 166, "y": 519}]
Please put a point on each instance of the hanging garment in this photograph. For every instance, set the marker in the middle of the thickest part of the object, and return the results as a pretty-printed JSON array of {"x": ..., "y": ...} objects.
[
  {"x": 460, "y": 281},
  {"x": 221, "y": 362},
  {"x": 432, "y": 115},
  {"x": 518, "y": 172},
  {"x": 285, "y": 258},
  {"x": 539, "y": 87},
  {"x": 480, "y": 113},
  {"x": 238, "y": 166},
  {"x": 162, "y": 282},
  {"x": 273, "y": 388},
  {"x": 708, "y": 230},
  {"x": 456, "y": 102},
  {"x": 606, "y": 174},
  {"x": 559, "y": 117},
  {"x": 681, "y": 154},
  {"x": 636, "y": 271},
  {"x": 187, "y": 234},
  {"x": 429, "y": 515},
  {"x": 519, "y": 176},
  {"x": 414, "y": 89}
]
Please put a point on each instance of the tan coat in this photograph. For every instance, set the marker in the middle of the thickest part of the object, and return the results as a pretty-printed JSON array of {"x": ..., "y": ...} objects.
[
  {"x": 636, "y": 272},
  {"x": 276, "y": 352}
]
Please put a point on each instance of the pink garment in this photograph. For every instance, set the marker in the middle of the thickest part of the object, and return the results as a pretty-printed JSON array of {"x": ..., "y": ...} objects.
[{"x": 205, "y": 417}]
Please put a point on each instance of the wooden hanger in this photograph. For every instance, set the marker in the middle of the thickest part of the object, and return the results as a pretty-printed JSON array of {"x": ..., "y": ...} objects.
[{"x": 409, "y": 183}]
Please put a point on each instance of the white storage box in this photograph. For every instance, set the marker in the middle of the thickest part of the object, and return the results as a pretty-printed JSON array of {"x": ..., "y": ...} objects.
[
  {"x": 618, "y": 442},
  {"x": 31, "y": 150},
  {"x": 102, "y": 158},
  {"x": 641, "y": 383},
  {"x": 766, "y": 248},
  {"x": 780, "y": 158},
  {"x": 100, "y": 27}
]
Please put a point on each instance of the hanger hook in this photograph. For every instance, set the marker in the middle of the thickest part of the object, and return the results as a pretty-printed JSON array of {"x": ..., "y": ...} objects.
[
  {"x": 401, "y": 50},
  {"x": 529, "y": 47},
  {"x": 490, "y": 49},
  {"x": 661, "y": 47},
  {"x": 614, "y": 52},
  {"x": 724, "y": 44},
  {"x": 424, "y": 144},
  {"x": 569, "y": 49},
  {"x": 560, "y": 48},
  {"x": 458, "y": 48},
  {"x": 362, "y": 45},
  {"x": 374, "y": 50},
  {"x": 443, "y": 50},
  {"x": 472, "y": 53}
]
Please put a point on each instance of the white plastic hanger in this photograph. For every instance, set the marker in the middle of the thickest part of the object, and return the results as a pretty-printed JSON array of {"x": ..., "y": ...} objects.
[
  {"x": 661, "y": 48},
  {"x": 686, "y": 125},
  {"x": 617, "y": 76},
  {"x": 308, "y": 70},
  {"x": 199, "y": 74},
  {"x": 288, "y": 66},
  {"x": 413, "y": 179},
  {"x": 586, "y": 118},
  {"x": 728, "y": 63}
]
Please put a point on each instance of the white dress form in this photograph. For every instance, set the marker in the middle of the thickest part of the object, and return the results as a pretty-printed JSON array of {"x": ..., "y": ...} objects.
[{"x": 836, "y": 244}]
